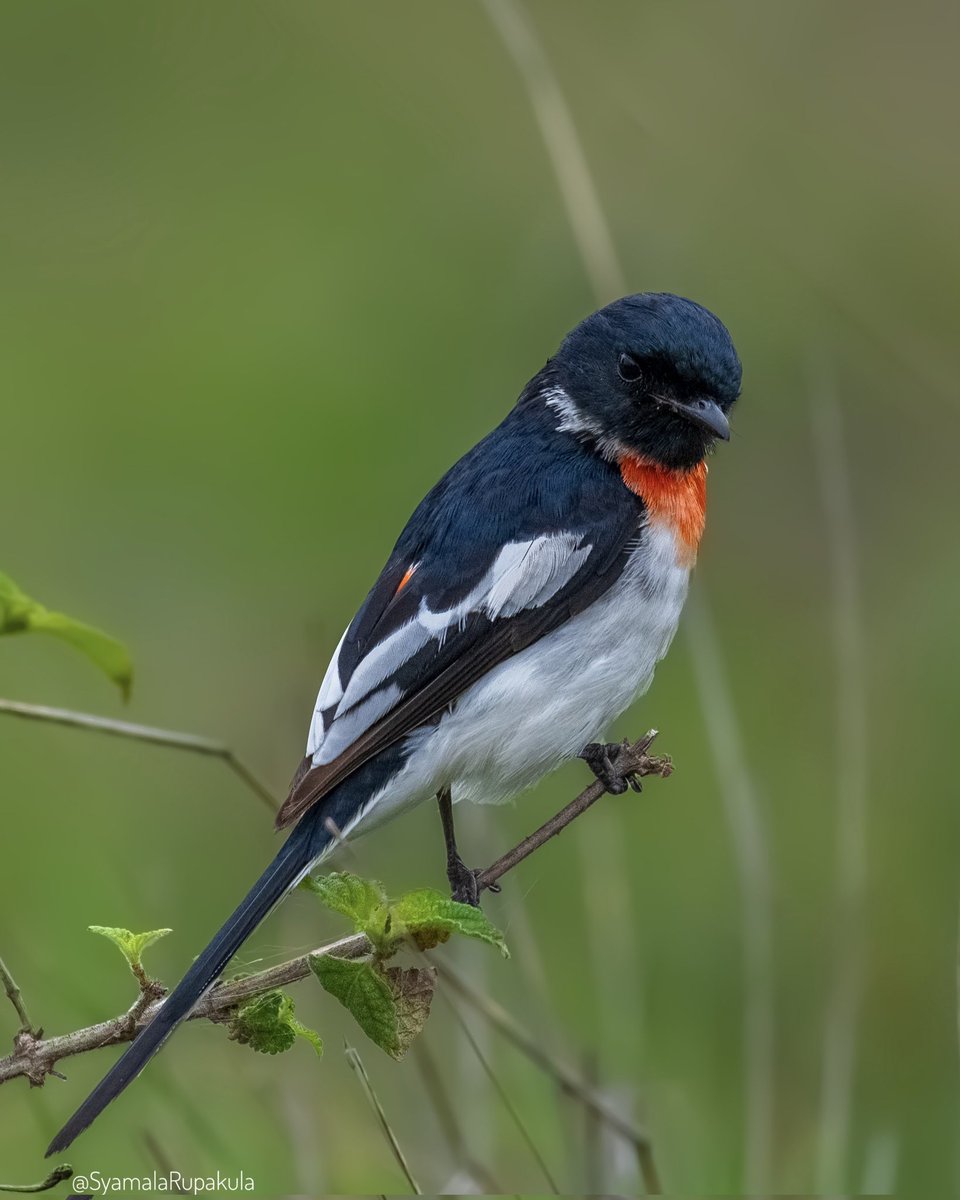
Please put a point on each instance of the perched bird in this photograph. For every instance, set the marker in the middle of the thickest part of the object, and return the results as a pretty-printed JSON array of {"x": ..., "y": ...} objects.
[{"x": 523, "y": 608}]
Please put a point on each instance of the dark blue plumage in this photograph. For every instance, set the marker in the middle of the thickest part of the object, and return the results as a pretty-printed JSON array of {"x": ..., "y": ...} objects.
[
  {"x": 526, "y": 479},
  {"x": 639, "y": 366},
  {"x": 524, "y": 606}
]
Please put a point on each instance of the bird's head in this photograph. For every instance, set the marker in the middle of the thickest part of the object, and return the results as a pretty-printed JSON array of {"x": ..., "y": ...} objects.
[{"x": 651, "y": 375}]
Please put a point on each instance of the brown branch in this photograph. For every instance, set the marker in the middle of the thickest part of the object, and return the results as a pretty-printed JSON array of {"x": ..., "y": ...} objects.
[
  {"x": 631, "y": 760},
  {"x": 35, "y": 1057},
  {"x": 170, "y": 738}
]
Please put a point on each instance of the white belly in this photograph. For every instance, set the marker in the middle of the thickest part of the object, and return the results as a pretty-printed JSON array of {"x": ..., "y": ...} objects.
[{"x": 541, "y": 707}]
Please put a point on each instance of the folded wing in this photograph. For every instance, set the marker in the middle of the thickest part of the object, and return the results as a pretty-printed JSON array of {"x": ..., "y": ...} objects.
[{"x": 455, "y": 600}]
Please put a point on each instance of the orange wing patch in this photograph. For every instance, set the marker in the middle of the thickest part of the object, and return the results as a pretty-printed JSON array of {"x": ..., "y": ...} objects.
[
  {"x": 677, "y": 499},
  {"x": 407, "y": 576}
]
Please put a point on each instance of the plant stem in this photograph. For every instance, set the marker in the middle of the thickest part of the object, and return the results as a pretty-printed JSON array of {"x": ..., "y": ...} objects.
[
  {"x": 353, "y": 1058},
  {"x": 35, "y": 1057},
  {"x": 568, "y": 1079},
  {"x": 631, "y": 760},
  {"x": 446, "y": 1113},
  {"x": 57, "y": 1175},
  {"x": 506, "y": 1101},
  {"x": 15, "y": 996}
]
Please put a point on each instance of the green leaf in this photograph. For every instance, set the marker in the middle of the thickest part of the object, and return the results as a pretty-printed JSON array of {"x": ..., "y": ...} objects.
[
  {"x": 308, "y": 1034},
  {"x": 15, "y": 606},
  {"x": 131, "y": 945},
  {"x": 19, "y": 613},
  {"x": 267, "y": 1024},
  {"x": 430, "y": 918},
  {"x": 261, "y": 1025},
  {"x": 427, "y": 916},
  {"x": 362, "y": 989},
  {"x": 362, "y": 900},
  {"x": 356, "y": 898},
  {"x": 390, "y": 1006}
]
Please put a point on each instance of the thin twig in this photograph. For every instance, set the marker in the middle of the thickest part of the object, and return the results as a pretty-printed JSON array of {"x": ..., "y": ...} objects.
[
  {"x": 353, "y": 1058},
  {"x": 15, "y": 997},
  {"x": 568, "y": 1079},
  {"x": 505, "y": 1099},
  {"x": 630, "y": 760},
  {"x": 35, "y": 1057},
  {"x": 446, "y": 1113},
  {"x": 57, "y": 1175},
  {"x": 169, "y": 738}
]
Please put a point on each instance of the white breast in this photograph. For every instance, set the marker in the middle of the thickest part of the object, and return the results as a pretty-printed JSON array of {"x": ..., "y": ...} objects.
[{"x": 541, "y": 707}]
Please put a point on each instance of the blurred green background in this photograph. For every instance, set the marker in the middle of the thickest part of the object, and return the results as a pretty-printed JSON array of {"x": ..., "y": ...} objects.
[{"x": 267, "y": 270}]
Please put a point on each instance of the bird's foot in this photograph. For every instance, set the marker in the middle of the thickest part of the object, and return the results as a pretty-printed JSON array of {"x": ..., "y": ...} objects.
[
  {"x": 463, "y": 882},
  {"x": 599, "y": 757}
]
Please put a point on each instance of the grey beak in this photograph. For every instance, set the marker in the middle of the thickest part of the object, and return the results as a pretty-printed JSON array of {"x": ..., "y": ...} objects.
[{"x": 704, "y": 411}]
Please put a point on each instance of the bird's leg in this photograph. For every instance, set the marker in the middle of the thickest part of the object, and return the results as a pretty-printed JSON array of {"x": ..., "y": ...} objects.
[
  {"x": 463, "y": 880},
  {"x": 599, "y": 758}
]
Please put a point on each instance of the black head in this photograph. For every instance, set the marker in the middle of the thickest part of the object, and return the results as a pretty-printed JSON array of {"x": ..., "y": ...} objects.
[{"x": 651, "y": 375}]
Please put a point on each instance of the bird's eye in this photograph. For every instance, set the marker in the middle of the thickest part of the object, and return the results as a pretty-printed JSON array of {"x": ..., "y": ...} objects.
[{"x": 629, "y": 368}]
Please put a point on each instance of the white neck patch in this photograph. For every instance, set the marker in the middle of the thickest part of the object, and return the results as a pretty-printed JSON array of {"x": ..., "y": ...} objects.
[{"x": 572, "y": 420}]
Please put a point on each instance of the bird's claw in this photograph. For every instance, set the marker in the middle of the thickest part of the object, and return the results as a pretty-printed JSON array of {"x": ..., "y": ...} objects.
[
  {"x": 599, "y": 758},
  {"x": 463, "y": 883}
]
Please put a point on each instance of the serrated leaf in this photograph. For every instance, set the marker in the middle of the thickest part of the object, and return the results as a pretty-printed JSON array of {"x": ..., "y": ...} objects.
[
  {"x": 390, "y": 1006},
  {"x": 20, "y": 613},
  {"x": 430, "y": 918},
  {"x": 267, "y": 1025},
  {"x": 262, "y": 1026},
  {"x": 130, "y": 945},
  {"x": 308, "y": 1034},
  {"x": 362, "y": 900},
  {"x": 364, "y": 992}
]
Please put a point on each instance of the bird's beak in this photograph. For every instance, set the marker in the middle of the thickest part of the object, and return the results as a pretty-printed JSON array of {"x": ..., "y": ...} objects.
[{"x": 703, "y": 411}]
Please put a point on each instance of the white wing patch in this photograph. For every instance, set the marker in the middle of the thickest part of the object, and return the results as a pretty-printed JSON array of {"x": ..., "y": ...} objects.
[
  {"x": 528, "y": 574},
  {"x": 331, "y": 692},
  {"x": 523, "y": 575},
  {"x": 383, "y": 660},
  {"x": 347, "y": 726}
]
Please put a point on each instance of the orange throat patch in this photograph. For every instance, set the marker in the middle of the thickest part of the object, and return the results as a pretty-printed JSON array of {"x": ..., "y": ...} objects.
[{"x": 674, "y": 499}]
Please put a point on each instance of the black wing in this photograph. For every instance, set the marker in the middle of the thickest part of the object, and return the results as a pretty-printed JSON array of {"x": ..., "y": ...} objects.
[{"x": 523, "y": 533}]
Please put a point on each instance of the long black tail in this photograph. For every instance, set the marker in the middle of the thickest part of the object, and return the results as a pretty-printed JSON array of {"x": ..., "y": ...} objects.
[{"x": 303, "y": 845}]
